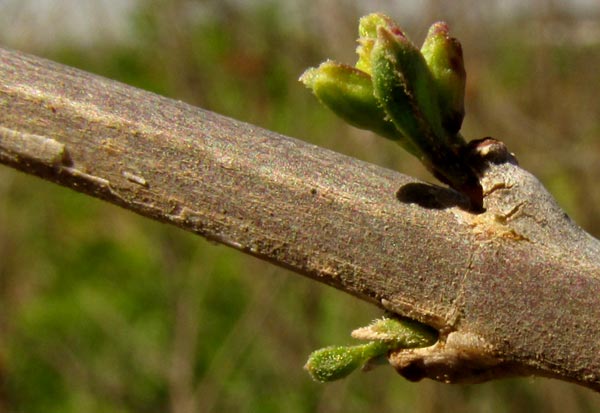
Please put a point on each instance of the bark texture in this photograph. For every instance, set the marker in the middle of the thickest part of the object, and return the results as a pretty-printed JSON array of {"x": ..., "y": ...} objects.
[{"x": 513, "y": 291}]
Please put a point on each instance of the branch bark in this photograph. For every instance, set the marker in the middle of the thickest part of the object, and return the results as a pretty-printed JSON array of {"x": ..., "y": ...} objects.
[{"x": 513, "y": 291}]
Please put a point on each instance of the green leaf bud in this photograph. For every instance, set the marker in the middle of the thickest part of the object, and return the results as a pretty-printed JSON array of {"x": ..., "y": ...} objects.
[
  {"x": 398, "y": 333},
  {"x": 444, "y": 57},
  {"x": 336, "y": 362},
  {"x": 412, "y": 96},
  {"x": 404, "y": 90}
]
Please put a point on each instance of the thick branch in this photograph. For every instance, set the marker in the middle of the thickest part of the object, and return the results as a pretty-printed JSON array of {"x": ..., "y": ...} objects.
[{"x": 515, "y": 290}]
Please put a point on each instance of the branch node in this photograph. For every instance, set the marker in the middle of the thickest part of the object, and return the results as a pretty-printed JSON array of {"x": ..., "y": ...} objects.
[{"x": 460, "y": 358}]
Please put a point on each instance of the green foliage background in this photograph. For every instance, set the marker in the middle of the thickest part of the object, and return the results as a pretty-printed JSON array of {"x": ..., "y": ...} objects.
[{"x": 104, "y": 311}]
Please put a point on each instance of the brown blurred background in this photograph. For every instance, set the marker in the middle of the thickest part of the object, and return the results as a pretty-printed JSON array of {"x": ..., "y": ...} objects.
[{"x": 101, "y": 310}]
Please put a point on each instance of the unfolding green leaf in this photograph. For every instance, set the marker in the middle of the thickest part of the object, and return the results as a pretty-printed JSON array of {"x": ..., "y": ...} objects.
[{"x": 348, "y": 92}]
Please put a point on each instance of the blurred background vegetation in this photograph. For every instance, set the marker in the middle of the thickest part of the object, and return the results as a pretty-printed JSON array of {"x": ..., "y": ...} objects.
[{"x": 104, "y": 311}]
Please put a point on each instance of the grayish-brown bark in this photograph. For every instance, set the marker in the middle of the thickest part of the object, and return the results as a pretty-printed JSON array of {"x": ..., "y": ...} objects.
[{"x": 515, "y": 290}]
